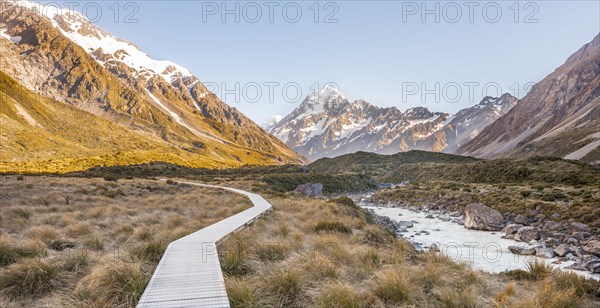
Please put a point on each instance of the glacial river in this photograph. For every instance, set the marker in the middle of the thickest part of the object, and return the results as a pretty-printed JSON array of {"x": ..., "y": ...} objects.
[{"x": 483, "y": 250}]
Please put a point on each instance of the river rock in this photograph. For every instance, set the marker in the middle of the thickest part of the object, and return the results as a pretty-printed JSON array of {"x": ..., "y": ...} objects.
[
  {"x": 309, "y": 189},
  {"x": 405, "y": 224},
  {"x": 511, "y": 229},
  {"x": 593, "y": 266},
  {"x": 529, "y": 251},
  {"x": 579, "y": 227},
  {"x": 552, "y": 225},
  {"x": 562, "y": 250},
  {"x": 527, "y": 234},
  {"x": 544, "y": 252},
  {"x": 521, "y": 219},
  {"x": 581, "y": 235},
  {"x": 592, "y": 247},
  {"x": 552, "y": 242},
  {"x": 481, "y": 217}
]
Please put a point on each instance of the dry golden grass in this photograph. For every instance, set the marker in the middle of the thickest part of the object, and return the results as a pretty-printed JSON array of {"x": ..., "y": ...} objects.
[
  {"x": 72, "y": 242},
  {"x": 312, "y": 252}
]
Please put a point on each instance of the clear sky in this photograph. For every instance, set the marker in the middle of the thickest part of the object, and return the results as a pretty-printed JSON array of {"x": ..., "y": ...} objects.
[{"x": 385, "y": 52}]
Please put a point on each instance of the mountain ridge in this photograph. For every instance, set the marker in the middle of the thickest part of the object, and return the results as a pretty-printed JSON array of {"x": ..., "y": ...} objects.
[
  {"x": 180, "y": 111},
  {"x": 558, "y": 117},
  {"x": 326, "y": 124}
]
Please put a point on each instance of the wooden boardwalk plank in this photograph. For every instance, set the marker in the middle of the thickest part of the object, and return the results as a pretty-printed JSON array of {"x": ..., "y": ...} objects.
[{"x": 189, "y": 273}]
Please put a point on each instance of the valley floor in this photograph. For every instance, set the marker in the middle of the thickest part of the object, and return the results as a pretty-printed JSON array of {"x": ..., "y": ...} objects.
[
  {"x": 75, "y": 242},
  {"x": 95, "y": 242}
]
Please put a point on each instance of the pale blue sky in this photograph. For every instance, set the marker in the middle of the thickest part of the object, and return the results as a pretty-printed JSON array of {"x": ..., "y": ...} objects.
[{"x": 370, "y": 52}]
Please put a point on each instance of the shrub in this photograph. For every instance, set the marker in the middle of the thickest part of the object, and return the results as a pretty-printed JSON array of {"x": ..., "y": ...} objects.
[
  {"x": 332, "y": 226},
  {"x": 110, "y": 178},
  {"x": 392, "y": 287},
  {"x": 340, "y": 295},
  {"x": 29, "y": 278}
]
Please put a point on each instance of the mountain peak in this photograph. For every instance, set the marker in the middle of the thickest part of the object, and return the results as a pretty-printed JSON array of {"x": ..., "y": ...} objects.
[{"x": 329, "y": 93}]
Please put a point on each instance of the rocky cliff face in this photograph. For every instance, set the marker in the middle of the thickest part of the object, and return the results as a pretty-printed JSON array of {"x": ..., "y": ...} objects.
[
  {"x": 63, "y": 56},
  {"x": 558, "y": 117},
  {"x": 326, "y": 124}
]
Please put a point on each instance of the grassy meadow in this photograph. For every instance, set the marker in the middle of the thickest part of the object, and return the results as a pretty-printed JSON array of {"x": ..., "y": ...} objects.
[{"x": 73, "y": 242}]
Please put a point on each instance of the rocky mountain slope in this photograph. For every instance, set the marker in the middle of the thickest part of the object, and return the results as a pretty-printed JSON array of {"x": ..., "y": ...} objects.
[
  {"x": 61, "y": 55},
  {"x": 326, "y": 124},
  {"x": 560, "y": 116}
]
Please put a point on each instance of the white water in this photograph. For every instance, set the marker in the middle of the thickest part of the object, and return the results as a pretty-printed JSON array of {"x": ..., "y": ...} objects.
[{"x": 483, "y": 250}]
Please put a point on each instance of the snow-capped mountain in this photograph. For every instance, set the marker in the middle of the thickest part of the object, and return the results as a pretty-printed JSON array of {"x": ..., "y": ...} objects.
[
  {"x": 62, "y": 55},
  {"x": 326, "y": 124},
  {"x": 270, "y": 122}
]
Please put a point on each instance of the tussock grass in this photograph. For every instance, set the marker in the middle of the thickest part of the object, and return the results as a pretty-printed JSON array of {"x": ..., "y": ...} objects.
[
  {"x": 30, "y": 278},
  {"x": 116, "y": 284},
  {"x": 73, "y": 245},
  {"x": 234, "y": 258},
  {"x": 76, "y": 261},
  {"x": 451, "y": 298},
  {"x": 332, "y": 226},
  {"x": 271, "y": 251},
  {"x": 318, "y": 266},
  {"x": 43, "y": 234},
  {"x": 538, "y": 270},
  {"x": 12, "y": 250},
  {"x": 151, "y": 251},
  {"x": 340, "y": 296},
  {"x": 243, "y": 295},
  {"x": 285, "y": 286},
  {"x": 548, "y": 296},
  {"x": 392, "y": 287}
]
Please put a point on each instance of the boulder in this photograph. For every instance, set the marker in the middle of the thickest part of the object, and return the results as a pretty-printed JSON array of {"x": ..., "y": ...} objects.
[
  {"x": 521, "y": 250},
  {"x": 579, "y": 227},
  {"x": 552, "y": 242},
  {"x": 528, "y": 234},
  {"x": 309, "y": 189},
  {"x": 592, "y": 247},
  {"x": 521, "y": 219},
  {"x": 562, "y": 250},
  {"x": 511, "y": 229},
  {"x": 555, "y": 216},
  {"x": 581, "y": 235},
  {"x": 544, "y": 252},
  {"x": 552, "y": 225},
  {"x": 593, "y": 266},
  {"x": 405, "y": 224},
  {"x": 481, "y": 217}
]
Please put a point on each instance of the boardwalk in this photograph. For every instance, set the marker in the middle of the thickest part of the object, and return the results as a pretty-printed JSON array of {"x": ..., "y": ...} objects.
[{"x": 189, "y": 273}]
